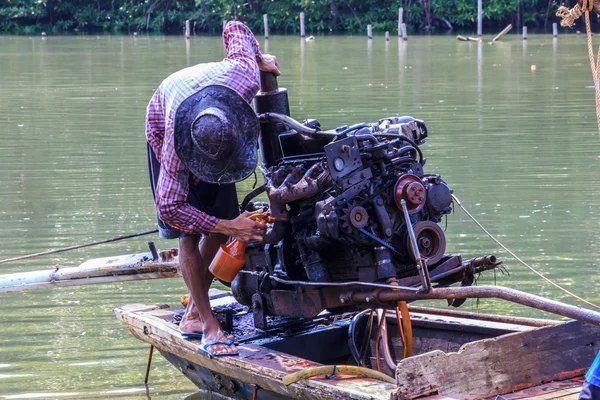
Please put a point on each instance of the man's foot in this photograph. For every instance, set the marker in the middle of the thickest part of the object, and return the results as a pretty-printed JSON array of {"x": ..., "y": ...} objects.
[
  {"x": 223, "y": 346},
  {"x": 190, "y": 325}
]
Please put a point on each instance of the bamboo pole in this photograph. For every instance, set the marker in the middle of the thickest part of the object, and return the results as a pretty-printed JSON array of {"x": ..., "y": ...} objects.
[
  {"x": 504, "y": 31},
  {"x": 302, "y": 31},
  {"x": 266, "y": 23},
  {"x": 224, "y": 24},
  {"x": 400, "y": 16},
  {"x": 187, "y": 29},
  {"x": 96, "y": 271},
  {"x": 387, "y": 36},
  {"x": 370, "y": 31},
  {"x": 404, "y": 35},
  {"x": 468, "y": 39},
  {"x": 524, "y": 33},
  {"x": 555, "y": 30},
  {"x": 479, "y": 18}
]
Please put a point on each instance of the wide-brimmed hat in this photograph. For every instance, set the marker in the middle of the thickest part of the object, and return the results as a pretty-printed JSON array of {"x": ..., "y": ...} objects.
[{"x": 216, "y": 133}]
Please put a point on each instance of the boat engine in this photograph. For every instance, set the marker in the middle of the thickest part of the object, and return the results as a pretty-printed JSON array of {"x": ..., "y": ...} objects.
[{"x": 340, "y": 198}]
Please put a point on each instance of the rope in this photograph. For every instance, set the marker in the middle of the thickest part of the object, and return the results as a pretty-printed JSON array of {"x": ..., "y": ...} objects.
[
  {"x": 79, "y": 246},
  {"x": 568, "y": 17},
  {"x": 519, "y": 259}
]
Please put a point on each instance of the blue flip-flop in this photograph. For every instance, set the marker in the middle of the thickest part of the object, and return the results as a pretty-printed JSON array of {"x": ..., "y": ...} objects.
[
  {"x": 191, "y": 335},
  {"x": 205, "y": 347}
]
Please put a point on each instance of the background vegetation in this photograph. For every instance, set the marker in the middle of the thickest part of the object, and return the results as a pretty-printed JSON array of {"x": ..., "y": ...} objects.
[{"x": 335, "y": 16}]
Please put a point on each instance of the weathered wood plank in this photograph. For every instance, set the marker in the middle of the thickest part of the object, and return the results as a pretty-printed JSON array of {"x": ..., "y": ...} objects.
[
  {"x": 553, "y": 390},
  {"x": 255, "y": 365},
  {"x": 502, "y": 365}
]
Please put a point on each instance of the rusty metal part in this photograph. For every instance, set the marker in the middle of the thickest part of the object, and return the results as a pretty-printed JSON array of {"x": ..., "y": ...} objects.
[
  {"x": 453, "y": 263},
  {"x": 430, "y": 240},
  {"x": 484, "y": 260},
  {"x": 148, "y": 364},
  {"x": 354, "y": 217},
  {"x": 296, "y": 186},
  {"x": 485, "y": 317},
  {"x": 476, "y": 292},
  {"x": 342, "y": 284},
  {"x": 421, "y": 265},
  {"x": 359, "y": 218},
  {"x": 410, "y": 189}
]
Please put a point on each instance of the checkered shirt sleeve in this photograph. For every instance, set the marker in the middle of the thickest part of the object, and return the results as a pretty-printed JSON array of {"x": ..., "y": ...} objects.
[{"x": 238, "y": 71}]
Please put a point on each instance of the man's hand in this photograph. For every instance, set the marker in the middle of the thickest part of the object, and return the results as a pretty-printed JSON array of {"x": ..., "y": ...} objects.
[
  {"x": 269, "y": 64},
  {"x": 242, "y": 228}
]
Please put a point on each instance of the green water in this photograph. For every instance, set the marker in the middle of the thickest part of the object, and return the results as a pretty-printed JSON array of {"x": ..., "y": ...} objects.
[{"x": 520, "y": 149}]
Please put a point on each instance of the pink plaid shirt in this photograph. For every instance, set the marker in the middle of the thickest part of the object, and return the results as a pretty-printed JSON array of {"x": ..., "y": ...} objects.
[{"x": 238, "y": 71}]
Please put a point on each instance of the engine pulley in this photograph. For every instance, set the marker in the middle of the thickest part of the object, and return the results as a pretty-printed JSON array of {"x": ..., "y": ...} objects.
[
  {"x": 354, "y": 217},
  {"x": 410, "y": 188},
  {"x": 430, "y": 239}
]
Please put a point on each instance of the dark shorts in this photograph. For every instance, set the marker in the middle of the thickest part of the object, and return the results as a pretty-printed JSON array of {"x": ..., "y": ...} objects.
[{"x": 217, "y": 200}]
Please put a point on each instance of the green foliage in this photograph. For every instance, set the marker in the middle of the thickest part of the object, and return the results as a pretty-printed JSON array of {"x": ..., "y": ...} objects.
[{"x": 168, "y": 16}]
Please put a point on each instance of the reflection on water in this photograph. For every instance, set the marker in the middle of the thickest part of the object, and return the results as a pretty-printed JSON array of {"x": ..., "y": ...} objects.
[{"x": 520, "y": 149}]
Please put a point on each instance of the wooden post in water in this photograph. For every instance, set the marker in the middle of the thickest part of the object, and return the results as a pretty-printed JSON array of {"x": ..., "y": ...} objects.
[
  {"x": 370, "y": 31},
  {"x": 400, "y": 15},
  {"x": 479, "y": 18},
  {"x": 302, "y": 31},
  {"x": 187, "y": 28},
  {"x": 504, "y": 32},
  {"x": 404, "y": 35},
  {"x": 555, "y": 30},
  {"x": 387, "y": 36},
  {"x": 266, "y": 22},
  {"x": 524, "y": 33},
  {"x": 224, "y": 24}
]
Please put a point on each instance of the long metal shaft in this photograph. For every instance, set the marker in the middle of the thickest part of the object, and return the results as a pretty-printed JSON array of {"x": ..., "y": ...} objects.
[
  {"x": 423, "y": 271},
  {"x": 479, "y": 292}
]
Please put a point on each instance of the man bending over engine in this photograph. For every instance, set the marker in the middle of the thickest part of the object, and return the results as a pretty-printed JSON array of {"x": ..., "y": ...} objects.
[{"x": 202, "y": 136}]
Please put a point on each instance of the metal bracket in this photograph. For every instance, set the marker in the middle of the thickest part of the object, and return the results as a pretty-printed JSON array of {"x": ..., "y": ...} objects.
[{"x": 259, "y": 312}]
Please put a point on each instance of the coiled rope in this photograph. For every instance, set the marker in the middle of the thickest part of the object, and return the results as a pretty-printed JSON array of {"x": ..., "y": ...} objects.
[
  {"x": 568, "y": 17},
  {"x": 556, "y": 285}
]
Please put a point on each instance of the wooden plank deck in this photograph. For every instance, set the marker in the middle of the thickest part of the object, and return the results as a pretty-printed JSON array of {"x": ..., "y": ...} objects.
[
  {"x": 255, "y": 365},
  {"x": 477, "y": 370}
]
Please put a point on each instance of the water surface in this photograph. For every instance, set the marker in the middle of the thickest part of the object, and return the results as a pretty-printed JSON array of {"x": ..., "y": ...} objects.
[{"x": 520, "y": 149}]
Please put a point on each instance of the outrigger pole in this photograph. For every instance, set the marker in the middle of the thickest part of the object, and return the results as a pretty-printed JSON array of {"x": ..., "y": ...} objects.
[{"x": 101, "y": 270}]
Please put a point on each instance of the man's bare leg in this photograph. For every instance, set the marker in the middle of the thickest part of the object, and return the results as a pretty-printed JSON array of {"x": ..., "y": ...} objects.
[
  {"x": 194, "y": 268},
  {"x": 209, "y": 245}
]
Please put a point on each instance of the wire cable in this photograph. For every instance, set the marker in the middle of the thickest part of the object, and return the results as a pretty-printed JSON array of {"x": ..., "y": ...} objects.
[
  {"x": 519, "y": 259},
  {"x": 79, "y": 246}
]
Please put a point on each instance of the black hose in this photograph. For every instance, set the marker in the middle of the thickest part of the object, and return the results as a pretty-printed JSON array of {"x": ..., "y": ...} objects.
[
  {"x": 356, "y": 354},
  {"x": 406, "y": 139},
  {"x": 348, "y": 130},
  {"x": 364, "y": 346}
]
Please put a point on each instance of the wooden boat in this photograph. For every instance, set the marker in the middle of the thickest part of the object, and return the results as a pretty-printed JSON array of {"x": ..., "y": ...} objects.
[{"x": 457, "y": 355}]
